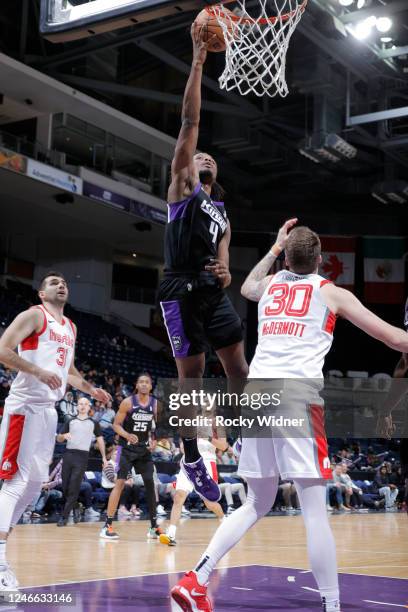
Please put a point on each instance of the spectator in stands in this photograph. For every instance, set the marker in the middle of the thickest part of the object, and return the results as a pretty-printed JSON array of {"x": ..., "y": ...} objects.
[
  {"x": 163, "y": 448},
  {"x": 117, "y": 401},
  {"x": 50, "y": 492},
  {"x": 68, "y": 406},
  {"x": 373, "y": 462},
  {"x": 358, "y": 458},
  {"x": 228, "y": 489},
  {"x": 340, "y": 484},
  {"x": 386, "y": 488},
  {"x": 109, "y": 386},
  {"x": 129, "y": 500},
  {"x": 227, "y": 457},
  {"x": 344, "y": 456},
  {"x": 289, "y": 494},
  {"x": 356, "y": 497},
  {"x": 105, "y": 417},
  {"x": 397, "y": 478}
]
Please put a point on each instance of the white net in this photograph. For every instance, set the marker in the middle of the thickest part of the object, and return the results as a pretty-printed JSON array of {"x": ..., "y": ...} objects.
[{"x": 256, "y": 46}]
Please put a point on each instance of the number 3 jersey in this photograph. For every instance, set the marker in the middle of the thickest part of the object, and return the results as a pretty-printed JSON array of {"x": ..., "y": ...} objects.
[
  {"x": 139, "y": 421},
  {"x": 51, "y": 349},
  {"x": 295, "y": 328},
  {"x": 193, "y": 232}
]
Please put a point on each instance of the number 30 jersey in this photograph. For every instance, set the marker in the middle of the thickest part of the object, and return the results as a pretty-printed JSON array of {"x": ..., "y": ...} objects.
[
  {"x": 194, "y": 229},
  {"x": 295, "y": 328},
  {"x": 51, "y": 349}
]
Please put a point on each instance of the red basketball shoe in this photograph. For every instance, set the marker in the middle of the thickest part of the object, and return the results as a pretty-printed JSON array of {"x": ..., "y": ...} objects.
[{"x": 189, "y": 596}]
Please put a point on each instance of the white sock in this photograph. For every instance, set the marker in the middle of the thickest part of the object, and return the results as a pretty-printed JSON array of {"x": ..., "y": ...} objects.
[
  {"x": 261, "y": 495},
  {"x": 3, "y": 560},
  {"x": 320, "y": 541},
  {"x": 171, "y": 531}
]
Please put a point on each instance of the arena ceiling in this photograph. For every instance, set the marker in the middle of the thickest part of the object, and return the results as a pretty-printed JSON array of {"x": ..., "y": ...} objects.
[{"x": 333, "y": 78}]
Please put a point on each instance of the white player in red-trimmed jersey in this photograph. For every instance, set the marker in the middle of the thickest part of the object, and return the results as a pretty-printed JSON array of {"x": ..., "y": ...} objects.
[
  {"x": 297, "y": 312},
  {"x": 45, "y": 339}
]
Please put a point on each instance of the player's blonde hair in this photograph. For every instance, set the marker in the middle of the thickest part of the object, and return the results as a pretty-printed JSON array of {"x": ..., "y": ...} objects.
[{"x": 303, "y": 250}]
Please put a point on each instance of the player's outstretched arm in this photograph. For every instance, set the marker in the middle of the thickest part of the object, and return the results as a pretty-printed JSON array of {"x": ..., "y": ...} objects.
[
  {"x": 345, "y": 304},
  {"x": 78, "y": 382},
  {"x": 24, "y": 325},
  {"x": 118, "y": 422},
  {"x": 184, "y": 176},
  {"x": 257, "y": 280}
]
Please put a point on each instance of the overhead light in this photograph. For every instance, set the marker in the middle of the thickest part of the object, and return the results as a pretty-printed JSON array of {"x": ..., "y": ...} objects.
[
  {"x": 386, "y": 39},
  {"x": 379, "y": 197},
  {"x": 363, "y": 29},
  {"x": 134, "y": 254},
  {"x": 337, "y": 144},
  {"x": 346, "y": 2},
  {"x": 391, "y": 192},
  {"x": 383, "y": 24},
  {"x": 361, "y": 4},
  {"x": 308, "y": 153},
  {"x": 327, "y": 148}
]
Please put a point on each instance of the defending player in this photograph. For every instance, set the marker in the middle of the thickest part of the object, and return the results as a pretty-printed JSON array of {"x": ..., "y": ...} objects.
[
  {"x": 195, "y": 308},
  {"x": 45, "y": 363},
  {"x": 133, "y": 423},
  {"x": 297, "y": 313},
  {"x": 183, "y": 487}
]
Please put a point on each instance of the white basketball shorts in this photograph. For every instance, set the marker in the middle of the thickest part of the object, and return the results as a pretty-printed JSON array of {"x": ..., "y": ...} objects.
[
  {"x": 292, "y": 458},
  {"x": 27, "y": 440}
]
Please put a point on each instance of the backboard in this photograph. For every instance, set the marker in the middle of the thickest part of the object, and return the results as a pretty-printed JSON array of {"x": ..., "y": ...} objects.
[{"x": 65, "y": 20}]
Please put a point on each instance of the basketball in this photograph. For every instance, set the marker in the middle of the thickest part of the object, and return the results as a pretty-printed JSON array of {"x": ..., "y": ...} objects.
[{"x": 207, "y": 20}]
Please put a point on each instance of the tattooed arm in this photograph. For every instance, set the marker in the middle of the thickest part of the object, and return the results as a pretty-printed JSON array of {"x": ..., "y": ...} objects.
[{"x": 257, "y": 280}]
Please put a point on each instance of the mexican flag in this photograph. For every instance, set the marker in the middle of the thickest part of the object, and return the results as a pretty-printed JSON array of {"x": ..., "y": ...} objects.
[
  {"x": 384, "y": 270},
  {"x": 339, "y": 256}
]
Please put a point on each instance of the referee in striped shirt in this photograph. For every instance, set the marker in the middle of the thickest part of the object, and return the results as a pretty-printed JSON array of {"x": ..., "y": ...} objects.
[{"x": 78, "y": 433}]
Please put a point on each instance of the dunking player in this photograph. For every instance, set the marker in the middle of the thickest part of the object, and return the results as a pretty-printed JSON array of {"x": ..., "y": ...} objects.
[
  {"x": 133, "y": 423},
  {"x": 45, "y": 363},
  {"x": 194, "y": 305},
  {"x": 183, "y": 487},
  {"x": 297, "y": 312}
]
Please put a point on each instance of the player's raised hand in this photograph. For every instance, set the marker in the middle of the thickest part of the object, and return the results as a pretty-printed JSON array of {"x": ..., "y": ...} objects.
[
  {"x": 200, "y": 46},
  {"x": 52, "y": 380},
  {"x": 284, "y": 233},
  {"x": 101, "y": 395},
  {"x": 221, "y": 271}
]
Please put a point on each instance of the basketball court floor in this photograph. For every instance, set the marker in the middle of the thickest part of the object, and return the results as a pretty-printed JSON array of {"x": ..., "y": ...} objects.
[{"x": 268, "y": 570}]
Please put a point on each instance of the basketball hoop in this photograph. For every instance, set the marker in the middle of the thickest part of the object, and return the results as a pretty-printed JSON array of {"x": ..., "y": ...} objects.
[{"x": 255, "y": 57}]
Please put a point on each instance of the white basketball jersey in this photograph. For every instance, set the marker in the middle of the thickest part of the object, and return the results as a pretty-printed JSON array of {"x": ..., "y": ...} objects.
[
  {"x": 206, "y": 449},
  {"x": 52, "y": 349},
  {"x": 295, "y": 328}
]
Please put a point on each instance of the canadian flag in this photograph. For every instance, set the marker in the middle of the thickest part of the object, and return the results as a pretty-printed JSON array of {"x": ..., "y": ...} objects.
[{"x": 338, "y": 260}]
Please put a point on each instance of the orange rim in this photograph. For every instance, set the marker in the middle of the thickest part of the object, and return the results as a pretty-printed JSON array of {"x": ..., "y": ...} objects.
[{"x": 262, "y": 20}]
